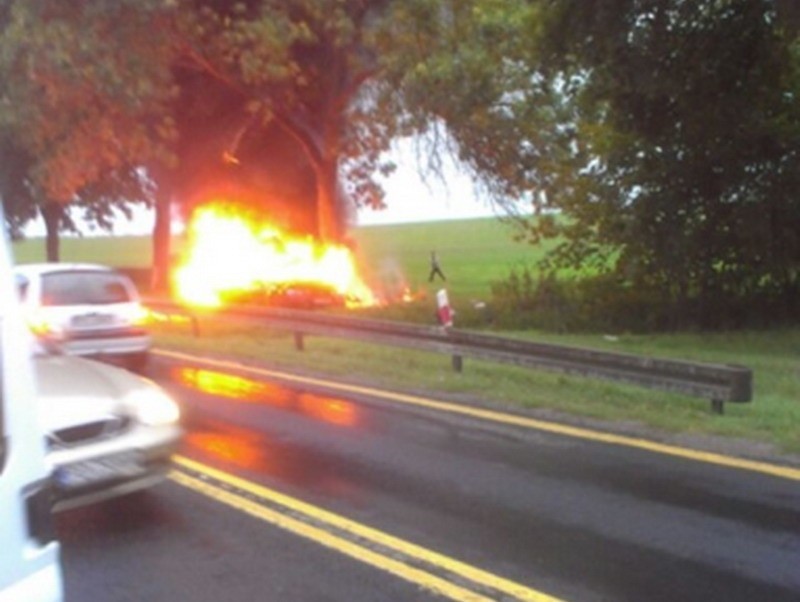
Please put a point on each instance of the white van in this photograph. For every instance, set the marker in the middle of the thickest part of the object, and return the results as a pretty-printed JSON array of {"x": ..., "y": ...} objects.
[{"x": 29, "y": 552}]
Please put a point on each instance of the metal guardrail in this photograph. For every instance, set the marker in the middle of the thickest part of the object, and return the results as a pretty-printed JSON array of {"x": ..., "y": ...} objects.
[{"x": 715, "y": 382}]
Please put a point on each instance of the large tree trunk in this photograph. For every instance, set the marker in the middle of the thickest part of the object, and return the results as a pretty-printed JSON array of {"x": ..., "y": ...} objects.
[
  {"x": 52, "y": 213},
  {"x": 161, "y": 242},
  {"x": 322, "y": 153},
  {"x": 330, "y": 211}
]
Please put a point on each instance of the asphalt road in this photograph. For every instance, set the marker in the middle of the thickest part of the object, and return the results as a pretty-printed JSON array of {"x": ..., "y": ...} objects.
[{"x": 297, "y": 493}]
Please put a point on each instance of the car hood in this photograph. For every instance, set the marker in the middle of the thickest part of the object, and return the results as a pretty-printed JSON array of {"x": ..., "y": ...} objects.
[{"x": 72, "y": 390}]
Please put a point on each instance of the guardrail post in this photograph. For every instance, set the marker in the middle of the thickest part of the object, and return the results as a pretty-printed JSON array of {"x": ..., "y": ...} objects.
[
  {"x": 718, "y": 406},
  {"x": 299, "y": 343},
  {"x": 458, "y": 363}
]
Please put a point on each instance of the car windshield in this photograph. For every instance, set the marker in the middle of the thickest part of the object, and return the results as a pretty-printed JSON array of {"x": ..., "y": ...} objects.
[{"x": 84, "y": 288}]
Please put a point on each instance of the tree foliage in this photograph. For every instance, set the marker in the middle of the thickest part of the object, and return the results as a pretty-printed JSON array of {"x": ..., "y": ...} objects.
[
  {"x": 466, "y": 70},
  {"x": 297, "y": 65},
  {"x": 657, "y": 138},
  {"x": 682, "y": 175},
  {"x": 86, "y": 93},
  {"x": 104, "y": 86},
  {"x": 84, "y": 99},
  {"x": 128, "y": 79},
  {"x": 18, "y": 200}
]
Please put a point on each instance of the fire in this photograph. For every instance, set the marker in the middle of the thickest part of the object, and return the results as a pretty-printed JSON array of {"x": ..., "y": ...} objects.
[{"x": 230, "y": 254}]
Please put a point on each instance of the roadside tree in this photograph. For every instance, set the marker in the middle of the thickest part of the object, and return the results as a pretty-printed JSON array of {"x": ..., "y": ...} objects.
[
  {"x": 102, "y": 88},
  {"x": 682, "y": 179},
  {"x": 84, "y": 100}
]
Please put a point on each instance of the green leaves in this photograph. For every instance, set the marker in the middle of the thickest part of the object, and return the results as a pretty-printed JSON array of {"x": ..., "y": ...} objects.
[
  {"x": 86, "y": 89},
  {"x": 688, "y": 116}
]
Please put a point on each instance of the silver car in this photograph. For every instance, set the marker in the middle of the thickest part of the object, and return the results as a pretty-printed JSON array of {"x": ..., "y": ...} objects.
[
  {"x": 85, "y": 309},
  {"x": 109, "y": 431}
]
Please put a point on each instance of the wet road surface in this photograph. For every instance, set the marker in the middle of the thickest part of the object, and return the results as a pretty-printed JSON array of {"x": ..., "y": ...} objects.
[{"x": 562, "y": 516}]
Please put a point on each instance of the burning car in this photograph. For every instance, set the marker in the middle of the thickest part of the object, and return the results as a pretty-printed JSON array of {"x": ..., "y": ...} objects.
[
  {"x": 306, "y": 295},
  {"x": 230, "y": 256},
  {"x": 296, "y": 295}
]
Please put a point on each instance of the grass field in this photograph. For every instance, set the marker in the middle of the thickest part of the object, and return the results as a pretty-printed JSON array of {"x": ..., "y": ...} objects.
[
  {"x": 127, "y": 251},
  {"x": 473, "y": 254}
]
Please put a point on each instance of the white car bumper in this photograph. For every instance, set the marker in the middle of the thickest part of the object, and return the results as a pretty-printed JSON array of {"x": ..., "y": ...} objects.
[{"x": 88, "y": 473}]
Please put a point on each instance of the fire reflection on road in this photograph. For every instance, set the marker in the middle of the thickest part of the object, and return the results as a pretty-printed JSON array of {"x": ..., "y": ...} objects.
[
  {"x": 239, "y": 447},
  {"x": 228, "y": 445},
  {"x": 320, "y": 407}
]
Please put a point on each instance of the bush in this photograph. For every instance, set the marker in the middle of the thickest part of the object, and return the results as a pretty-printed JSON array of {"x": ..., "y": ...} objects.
[
  {"x": 524, "y": 302},
  {"x": 607, "y": 303}
]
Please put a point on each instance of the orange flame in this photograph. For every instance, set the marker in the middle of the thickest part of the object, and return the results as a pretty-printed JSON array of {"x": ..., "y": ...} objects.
[{"x": 229, "y": 253}]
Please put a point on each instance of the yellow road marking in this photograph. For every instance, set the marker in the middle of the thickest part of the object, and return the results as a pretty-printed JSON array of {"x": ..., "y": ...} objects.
[
  {"x": 471, "y": 573},
  {"x": 784, "y": 472},
  {"x": 426, "y": 580}
]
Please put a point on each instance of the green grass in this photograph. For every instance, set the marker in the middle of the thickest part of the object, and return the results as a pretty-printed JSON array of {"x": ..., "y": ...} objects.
[
  {"x": 473, "y": 254},
  {"x": 122, "y": 251}
]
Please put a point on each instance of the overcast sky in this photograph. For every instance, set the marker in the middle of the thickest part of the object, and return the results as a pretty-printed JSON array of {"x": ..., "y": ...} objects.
[{"x": 411, "y": 198}]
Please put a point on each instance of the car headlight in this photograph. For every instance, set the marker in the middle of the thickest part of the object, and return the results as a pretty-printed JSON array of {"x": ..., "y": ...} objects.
[{"x": 154, "y": 407}]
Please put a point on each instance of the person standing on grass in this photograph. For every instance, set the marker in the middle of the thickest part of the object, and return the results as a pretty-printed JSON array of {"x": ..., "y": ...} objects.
[{"x": 435, "y": 268}]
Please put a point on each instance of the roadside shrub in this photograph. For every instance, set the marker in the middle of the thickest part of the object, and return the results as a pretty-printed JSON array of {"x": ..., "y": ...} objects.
[
  {"x": 523, "y": 301},
  {"x": 608, "y": 303}
]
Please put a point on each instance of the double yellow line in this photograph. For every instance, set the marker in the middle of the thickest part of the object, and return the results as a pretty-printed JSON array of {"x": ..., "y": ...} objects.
[
  {"x": 430, "y": 570},
  {"x": 437, "y": 573}
]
